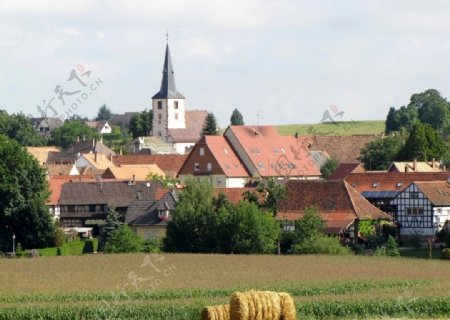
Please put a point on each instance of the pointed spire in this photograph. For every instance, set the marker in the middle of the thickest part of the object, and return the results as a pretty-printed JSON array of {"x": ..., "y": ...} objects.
[{"x": 168, "y": 89}]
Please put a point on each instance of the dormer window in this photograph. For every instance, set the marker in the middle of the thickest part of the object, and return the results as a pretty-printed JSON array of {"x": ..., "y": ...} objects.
[{"x": 163, "y": 215}]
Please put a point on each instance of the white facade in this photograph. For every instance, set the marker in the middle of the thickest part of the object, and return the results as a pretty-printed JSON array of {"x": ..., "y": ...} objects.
[
  {"x": 168, "y": 114},
  {"x": 106, "y": 128},
  {"x": 183, "y": 147}
]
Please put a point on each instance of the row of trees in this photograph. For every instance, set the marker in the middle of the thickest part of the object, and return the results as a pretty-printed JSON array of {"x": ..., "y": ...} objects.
[{"x": 416, "y": 131}]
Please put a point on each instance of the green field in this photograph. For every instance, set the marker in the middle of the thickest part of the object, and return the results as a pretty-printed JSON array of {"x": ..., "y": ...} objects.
[
  {"x": 177, "y": 286},
  {"x": 337, "y": 128}
]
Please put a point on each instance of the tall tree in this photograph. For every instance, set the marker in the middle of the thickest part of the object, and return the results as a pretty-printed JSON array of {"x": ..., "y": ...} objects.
[
  {"x": 19, "y": 128},
  {"x": 109, "y": 228},
  {"x": 432, "y": 108},
  {"x": 236, "y": 118},
  {"x": 23, "y": 193},
  {"x": 267, "y": 196},
  {"x": 68, "y": 133},
  {"x": 210, "y": 126},
  {"x": 379, "y": 154},
  {"x": 104, "y": 113},
  {"x": 423, "y": 144},
  {"x": 402, "y": 119},
  {"x": 329, "y": 167},
  {"x": 141, "y": 124}
]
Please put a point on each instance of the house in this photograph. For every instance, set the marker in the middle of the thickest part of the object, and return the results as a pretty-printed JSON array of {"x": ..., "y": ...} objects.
[
  {"x": 42, "y": 153},
  {"x": 61, "y": 170},
  {"x": 44, "y": 126},
  {"x": 415, "y": 166},
  {"x": 344, "y": 169},
  {"x": 215, "y": 160},
  {"x": 101, "y": 126},
  {"x": 267, "y": 154},
  {"x": 171, "y": 121},
  {"x": 152, "y": 145},
  {"x": 86, "y": 204},
  {"x": 149, "y": 218},
  {"x": 234, "y": 195},
  {"x": 338, "y": 203},
  {"x": 133, "y": 172},
  {"x": 94, "y": 161},
  {"x": 381, "y": 187},
  {"x": 122, "y": 120},
  {"x": 170, "y": 164},
  {"x": 74, "y": 151},
  {"x": 422, "y": 208},
  {"x": 344, "y": 148}
]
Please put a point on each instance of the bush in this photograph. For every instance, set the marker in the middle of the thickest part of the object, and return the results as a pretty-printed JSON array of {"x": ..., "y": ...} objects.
[
  {"x": 151, "y": 245},
  {"x": 320, "y": 244},
  {"x": 444, "y": 236},
  {"x": 59, "y": 237},
  {"x": 123, "y": 240},
  {"x": 391, "y": 247},
  {"x": 446, "y": 253}
]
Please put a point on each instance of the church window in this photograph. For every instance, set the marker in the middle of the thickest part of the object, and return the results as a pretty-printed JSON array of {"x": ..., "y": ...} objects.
[
  {"x": 176, "y": 116},
  {"x": 175, "y": 104},
  {"x": 159, "y": 104},
  {"x": 159, "y": 116}
]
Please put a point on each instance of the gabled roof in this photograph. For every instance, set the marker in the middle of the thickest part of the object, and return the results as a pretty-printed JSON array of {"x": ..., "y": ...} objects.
[
  {"x": 98, "y": 125},
  {"x": 41, "y": 153},
  {"x": 98, "y": 161},
  {"x": 335, "y": 198},
  {"x": 345, "y": 169},
  {"x": 415, "y": 166},
  {"x": 50, "y": 122},
  {"x": 168, "y": 89},
  {"x": 195, "y": 120},
  {"x": 55, "y": 185},
  {"x": 122, "y": 119},
  {"x": 391, "y": 181},
  {"x": 169, "y": 163},
  {"x": 438, "y": 192},
  {"x": 70, "y": 154},
  {"x": 138, "y": 172},
  {"x": 61, "y": 169},
  {"x": 270, "y": 154},
  {"x": 343, "y": 148},
  {"x": 144, "y": 213}
]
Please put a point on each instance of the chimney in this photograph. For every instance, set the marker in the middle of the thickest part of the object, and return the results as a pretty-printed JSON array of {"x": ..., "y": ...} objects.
[
  {"x": 101, "y": 138},
  {"x": 84, "y": 138},
  {"x": 415, "y": 165},
  {"x": 111, "y": 157},
  {"x": 93, "y": 143},
  {"x": 134, "y": 179},
  {"x": 433, "y": 163},
  {"x": 78, "y": 139},
  {"x": 120, "y": 151},
  {"x": 95, "y": 156}
]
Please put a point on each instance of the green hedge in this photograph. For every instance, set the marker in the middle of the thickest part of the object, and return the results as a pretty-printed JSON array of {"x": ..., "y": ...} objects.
[{"x": 74, "y": 248}]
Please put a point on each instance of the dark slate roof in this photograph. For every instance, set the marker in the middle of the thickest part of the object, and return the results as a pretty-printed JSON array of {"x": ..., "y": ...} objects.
[
  {"x": 122, "y": 119},
  {"x": 70, "y": 154},
  {"x": 149, "y": 215},
  {"x": 168, "y": 89},
  {"x": 112, "y": 193}
]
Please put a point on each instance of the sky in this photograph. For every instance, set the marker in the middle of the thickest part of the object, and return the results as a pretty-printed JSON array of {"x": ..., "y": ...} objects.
[{"x": 277, "y": 61}]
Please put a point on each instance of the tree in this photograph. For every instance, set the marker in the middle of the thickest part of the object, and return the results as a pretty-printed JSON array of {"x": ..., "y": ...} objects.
[
  {"x": 210, "y": 126},
  {"x": 23, "y": 193},
  {"x": 329, "y": 167},
  {"x": 392, "y": 247},
  {"x": 402, "y": 119},
  {"x": 310, "y": 225},
  {"x": 270, "y": 192},
  {"x": 141, "y": 124},
  {"x": 104, "y": 113},
  {"x": 423, "y": 144},
  {"x": 19, "y": 128},
  {"x": 432, "y": 108},
  {"x": 379, "y": 154},
  {"x": 123, "y": 239},
  {"x": 236, "y": 118},
  {"x": 107, "y": 230},
  {"x": 68, "y": 133},
  {"x": 256, "y": 231}
]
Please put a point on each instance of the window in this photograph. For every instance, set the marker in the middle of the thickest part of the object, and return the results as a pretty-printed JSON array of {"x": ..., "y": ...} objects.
[
  {"x": 92, "y": 208},
  {"x": 71, "y": 208},
  {"x": 159, "y": 104},
  {"x": 414, "y": 195},
  {"x": 159, "y": 116},
  {"x": 175, "y": 104},
  {"x": 202, "y": 151},
  {"x": 414, "y": 211},
  {"x": 196, "y": 166},
  {"x": 159, "y": 133},
  {"x": 176, "y": 116},
  {"x": 209, "y": 166}
]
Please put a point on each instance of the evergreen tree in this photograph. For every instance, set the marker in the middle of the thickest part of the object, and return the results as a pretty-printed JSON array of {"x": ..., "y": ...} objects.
[
  {"x": 104, "y": 113},
  {"x": 423, "y": 144},
  {"x": 392, "y": 247},
  {"x": 210, "y": 126},
  {"x": 23, "y": 193},
  {"x": 236, "y": 118},
  {"x": 107, "y": 230},
  {"x": 123, "y": 239},
  {"x": 379, "y": 154}
]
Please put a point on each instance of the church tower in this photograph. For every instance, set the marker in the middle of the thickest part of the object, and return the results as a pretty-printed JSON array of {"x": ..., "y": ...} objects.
[{"x": 168, "y": 104}]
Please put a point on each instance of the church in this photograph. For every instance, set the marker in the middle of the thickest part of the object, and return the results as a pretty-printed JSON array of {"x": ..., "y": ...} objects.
[{"x": 172, "y": 123}]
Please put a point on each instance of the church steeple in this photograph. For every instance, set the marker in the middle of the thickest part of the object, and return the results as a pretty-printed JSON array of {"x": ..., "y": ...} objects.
[{"x": 168, "y": 89}]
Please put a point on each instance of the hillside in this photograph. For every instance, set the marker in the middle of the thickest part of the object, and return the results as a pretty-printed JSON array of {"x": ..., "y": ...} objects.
[{"x": 337, "y": 128}]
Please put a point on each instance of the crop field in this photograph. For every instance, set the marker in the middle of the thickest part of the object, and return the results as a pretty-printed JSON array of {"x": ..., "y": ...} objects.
[
  {"x": 336, "y": 128},
  {"x": 178, "y": 286}
]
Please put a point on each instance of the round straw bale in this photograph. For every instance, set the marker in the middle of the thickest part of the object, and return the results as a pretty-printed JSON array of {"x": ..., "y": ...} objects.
[
  {"x": 273, "y": 305},
  {"x": 239, "y": 306},
  {"x": 257, "y": 299},
  {"x": 221, "y": 312},
  {"x": 288, "y": 311}
]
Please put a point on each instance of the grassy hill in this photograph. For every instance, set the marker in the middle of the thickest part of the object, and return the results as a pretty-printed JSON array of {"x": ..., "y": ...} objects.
[{"x": 337, "y": 128}]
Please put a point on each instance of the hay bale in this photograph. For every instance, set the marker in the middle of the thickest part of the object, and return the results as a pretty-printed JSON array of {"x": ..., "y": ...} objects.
[
  {"x": 221, "y": 312},
  {"x": 256, "y": 305},
  {"x": 288, "y": 311}
]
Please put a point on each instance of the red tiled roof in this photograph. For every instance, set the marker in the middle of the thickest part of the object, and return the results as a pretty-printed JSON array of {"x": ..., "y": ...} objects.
[
  {"x": 170, "y": 163},
  {"x": 335, "y": 221},
  {"x": 438, "y": 192},
  {"x": 345, "y": 169},
  {"x": 234, "y": 195},
  {"x": 55, "y": 185},
  {"x": 226, "y": 157},
  {"x": 272, "y": 154},
  {"x": 391, "y": 181},
  {"x": 332, "y": 198}
]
